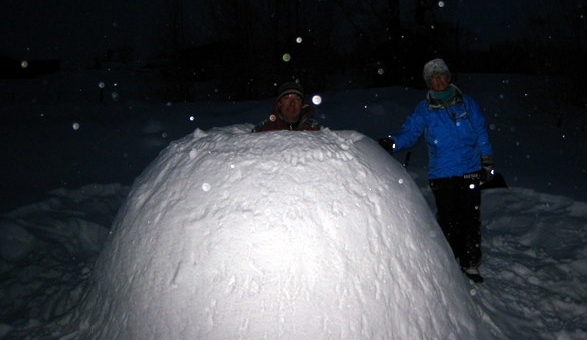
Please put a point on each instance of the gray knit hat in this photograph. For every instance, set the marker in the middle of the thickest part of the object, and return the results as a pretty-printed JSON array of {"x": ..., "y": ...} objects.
[
  {"x": 434, "y": 67},
  {"x": 289, "y": 88}
]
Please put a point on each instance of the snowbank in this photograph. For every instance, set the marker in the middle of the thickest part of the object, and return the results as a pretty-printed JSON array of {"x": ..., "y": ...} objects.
[{"x": 278, "y": 235}]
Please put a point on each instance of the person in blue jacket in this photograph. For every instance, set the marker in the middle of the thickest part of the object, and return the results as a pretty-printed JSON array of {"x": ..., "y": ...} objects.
[{"x": 460, "y": 159}]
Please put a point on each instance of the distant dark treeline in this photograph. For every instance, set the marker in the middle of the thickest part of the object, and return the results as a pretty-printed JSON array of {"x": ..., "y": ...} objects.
[
  {"x": 247, "y": 77},
  {"x": 257, "y": 47}
]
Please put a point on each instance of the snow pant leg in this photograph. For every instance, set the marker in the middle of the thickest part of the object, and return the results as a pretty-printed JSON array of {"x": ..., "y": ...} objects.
[
  {"x": 445, "y": 194},
  {"x": 469, "y": 220},
  {"x": 458, "y": 202}
]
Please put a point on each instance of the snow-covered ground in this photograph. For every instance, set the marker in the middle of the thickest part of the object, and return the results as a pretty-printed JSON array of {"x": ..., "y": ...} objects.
[{"x": 69, "y": 161}]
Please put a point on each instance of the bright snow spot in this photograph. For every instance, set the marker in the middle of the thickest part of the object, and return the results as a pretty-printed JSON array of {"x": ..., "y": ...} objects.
[
  {"x": 317, "y": 100},
  {"x": 297, "y": 241}
]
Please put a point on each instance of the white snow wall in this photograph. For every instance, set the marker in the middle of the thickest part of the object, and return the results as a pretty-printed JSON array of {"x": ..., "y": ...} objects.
[{"x": 277, "y": 235}]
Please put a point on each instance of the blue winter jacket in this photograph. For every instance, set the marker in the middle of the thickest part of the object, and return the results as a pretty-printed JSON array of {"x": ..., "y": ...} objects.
[{"x": 456, "y": 135}]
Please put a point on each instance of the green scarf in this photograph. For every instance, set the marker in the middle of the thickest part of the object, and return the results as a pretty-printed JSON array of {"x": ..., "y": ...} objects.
[{"x": 444, "y": 96}]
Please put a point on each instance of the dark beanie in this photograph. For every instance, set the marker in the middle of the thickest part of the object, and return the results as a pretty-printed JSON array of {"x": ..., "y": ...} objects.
[{"x": 289, "y": 88}]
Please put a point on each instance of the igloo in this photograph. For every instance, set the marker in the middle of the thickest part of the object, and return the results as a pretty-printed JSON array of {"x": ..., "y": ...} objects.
[{"x": 278, "y": 235}]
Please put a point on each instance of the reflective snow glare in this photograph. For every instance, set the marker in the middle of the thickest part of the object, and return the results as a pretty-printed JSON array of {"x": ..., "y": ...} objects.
[
  {"x": 298, "y": 243},
  {"x": 316, "y": 100},
  {"x": 63, "y": 189}
]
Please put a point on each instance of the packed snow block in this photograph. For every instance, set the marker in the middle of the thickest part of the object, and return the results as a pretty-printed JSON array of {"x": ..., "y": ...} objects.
[{"x": 277, "y": 235}]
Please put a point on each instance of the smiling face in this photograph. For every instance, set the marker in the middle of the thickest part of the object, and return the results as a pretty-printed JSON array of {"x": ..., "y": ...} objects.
[
  {"x": 290, "y": 107},
  {"x": 439, "y": 82}
]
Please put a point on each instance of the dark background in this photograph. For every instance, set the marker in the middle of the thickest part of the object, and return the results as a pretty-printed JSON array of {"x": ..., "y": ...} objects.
[{"x": 240, "y": 44}]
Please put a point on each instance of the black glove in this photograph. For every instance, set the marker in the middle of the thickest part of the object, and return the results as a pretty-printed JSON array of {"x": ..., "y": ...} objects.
[
  {"x": 387, "y": 143},
  {"x": 487, "y": 171}
]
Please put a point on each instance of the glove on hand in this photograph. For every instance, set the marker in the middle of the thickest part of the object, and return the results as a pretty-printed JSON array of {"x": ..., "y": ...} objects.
[
  {"x": 487, "y": 172},
  {"x": 387, "y": 143}
]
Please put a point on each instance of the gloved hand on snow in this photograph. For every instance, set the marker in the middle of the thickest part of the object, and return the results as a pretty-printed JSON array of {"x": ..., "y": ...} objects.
[
  {"x": 387, "y": 143},
  {"x": 487, "y": 168}
]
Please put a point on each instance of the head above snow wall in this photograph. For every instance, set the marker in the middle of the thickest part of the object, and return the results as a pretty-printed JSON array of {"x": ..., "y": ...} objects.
[{"x": 277, "y": 235}]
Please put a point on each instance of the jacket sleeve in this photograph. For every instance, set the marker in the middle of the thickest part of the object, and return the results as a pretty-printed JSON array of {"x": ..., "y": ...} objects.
[
  {"x": 480, "y": 127},
  {"x": 412, "y": 129}
]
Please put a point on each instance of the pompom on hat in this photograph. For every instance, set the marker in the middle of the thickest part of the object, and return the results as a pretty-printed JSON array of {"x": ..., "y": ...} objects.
[
  {"x": 289, "y": 88},
  {"x": 434, "y": 67}
]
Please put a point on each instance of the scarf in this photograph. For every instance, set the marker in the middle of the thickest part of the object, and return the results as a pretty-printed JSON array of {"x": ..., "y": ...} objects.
[{"x": 444, "y": 96}]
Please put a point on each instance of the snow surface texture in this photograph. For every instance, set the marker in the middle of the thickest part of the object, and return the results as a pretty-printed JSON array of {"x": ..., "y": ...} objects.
[
  {"x": 277, "y": 235},
  {"x": 64, "y": 183}
]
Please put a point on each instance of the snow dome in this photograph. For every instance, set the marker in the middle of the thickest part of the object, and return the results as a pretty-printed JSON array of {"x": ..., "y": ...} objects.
[{"x": 278, "y": 235}]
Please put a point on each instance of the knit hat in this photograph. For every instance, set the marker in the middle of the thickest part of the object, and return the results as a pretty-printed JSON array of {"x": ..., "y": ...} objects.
[
  {"x": 289, "y": 88},
  {"x": 434, "y": 67}
]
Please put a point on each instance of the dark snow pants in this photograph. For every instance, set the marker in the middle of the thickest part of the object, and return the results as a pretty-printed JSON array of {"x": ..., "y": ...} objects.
[{"x": 458, "y": 204}]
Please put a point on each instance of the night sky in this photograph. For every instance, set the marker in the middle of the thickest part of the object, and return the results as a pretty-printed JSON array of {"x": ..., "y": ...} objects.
[
  {"x": 79, "y": 31},
  {"x": 73, "y": 31}
]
